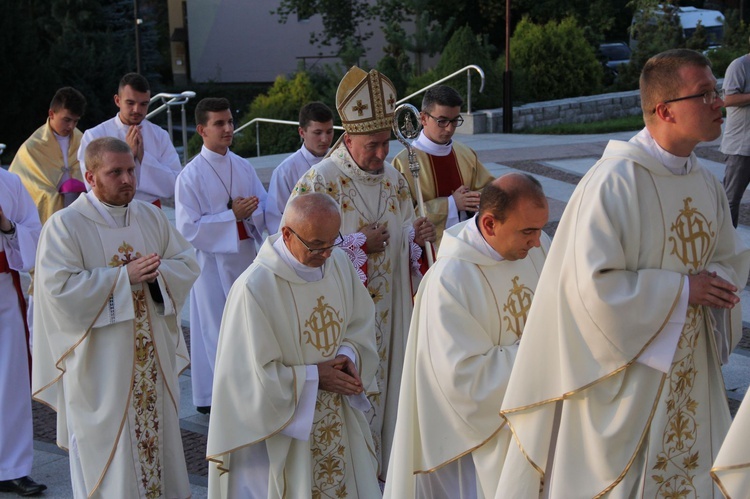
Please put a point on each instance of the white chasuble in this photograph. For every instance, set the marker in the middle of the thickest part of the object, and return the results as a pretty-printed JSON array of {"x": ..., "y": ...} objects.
[
  {"x": 364, "y": 199},
  {"x": 469, "y": 316},
  {"x": 731, "y": 470},
  {"x": 107, "y": 355},
  {"x": 275, "y": 326},
  {"x": 629, "y": 237}
]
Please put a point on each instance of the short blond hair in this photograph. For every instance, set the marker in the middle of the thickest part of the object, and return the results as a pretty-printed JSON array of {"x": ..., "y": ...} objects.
[
  {"x": 94, "y": 155},
  {"x": 660, "y": 79}
]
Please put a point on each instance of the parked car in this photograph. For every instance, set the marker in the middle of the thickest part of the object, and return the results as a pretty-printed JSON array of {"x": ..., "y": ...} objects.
[{"x": 613, "y": 56}]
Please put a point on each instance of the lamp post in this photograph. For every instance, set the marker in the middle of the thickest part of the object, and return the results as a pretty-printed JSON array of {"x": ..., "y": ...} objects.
[{"x": 507, "y": 77}]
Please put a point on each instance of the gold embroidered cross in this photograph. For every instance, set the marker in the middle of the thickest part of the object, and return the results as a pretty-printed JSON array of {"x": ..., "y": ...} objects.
[
  {"x": 360, "y": 107},
  {"x": 391, "y": 100}
]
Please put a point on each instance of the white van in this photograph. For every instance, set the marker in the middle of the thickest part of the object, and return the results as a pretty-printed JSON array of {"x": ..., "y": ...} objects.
[{"x": 712, "y": 21}]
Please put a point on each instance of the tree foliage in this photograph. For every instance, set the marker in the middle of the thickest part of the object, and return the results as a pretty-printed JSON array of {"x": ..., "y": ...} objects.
[
  {"x": 464, "y": 48},
  {"x": 283, "y": 102},
  {"x": 656, "y": 29},
  {"x": 85, "y": 44},
  {"x": 429, "y": 35},
  {"x": 734, "y": 43},
  {"x": 553, "y": 61},
  {"x": 342, "y": 19}
]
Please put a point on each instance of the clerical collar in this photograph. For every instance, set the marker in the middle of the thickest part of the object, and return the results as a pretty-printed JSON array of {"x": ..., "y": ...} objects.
[
  {"x": 425, "y": 144},
  {"x": 213, "y": 156},
  {"x": 310, "y": 157},
  {"x": 478, "y": 241},
  {"x": 121, "y": 125},
  {"x": 308, "y": 274},
  {"x": 678, "y": 165},
  {"x": 115, "y": 216}
]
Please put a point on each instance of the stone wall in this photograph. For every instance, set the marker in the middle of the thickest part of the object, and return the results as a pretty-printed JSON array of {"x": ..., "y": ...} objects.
[{"x": 573, "y": 110}]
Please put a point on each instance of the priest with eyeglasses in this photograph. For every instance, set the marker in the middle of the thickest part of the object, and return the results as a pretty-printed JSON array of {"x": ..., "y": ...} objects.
[{"x": 296, "y": 351}]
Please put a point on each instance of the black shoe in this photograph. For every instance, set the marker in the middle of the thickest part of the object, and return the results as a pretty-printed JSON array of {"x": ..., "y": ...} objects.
[
  {"x": 23, "y": 486},
  {"x": 204, "y": 409}
]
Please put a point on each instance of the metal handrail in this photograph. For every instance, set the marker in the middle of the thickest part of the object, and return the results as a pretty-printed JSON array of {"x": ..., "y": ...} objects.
[
  {"x": 258, "y": 121},
  {"x": 169, "y": 100},
  {"x": 468, "y": 85}
]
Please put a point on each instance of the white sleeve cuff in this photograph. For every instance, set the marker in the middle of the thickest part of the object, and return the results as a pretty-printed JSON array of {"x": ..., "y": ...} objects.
[
  {"x": 301, "y": 424},
  {"x": 660, "y": 353},
  {"x": 452, "y": 213}
]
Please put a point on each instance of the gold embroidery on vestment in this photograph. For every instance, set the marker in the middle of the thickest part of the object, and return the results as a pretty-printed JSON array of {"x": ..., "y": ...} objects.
[
  {"x": 145, "y": 379},
  {"x": 323, "y": 328},
  {"x": 329, "y": 448},
  {"x": 128, "y": 255},
  {"x": 692, "y": 235},
  {"x": 517, "y": 305},
  {"x": 679, "y": 457}
]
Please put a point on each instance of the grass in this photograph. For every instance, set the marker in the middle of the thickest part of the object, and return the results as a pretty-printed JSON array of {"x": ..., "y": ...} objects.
[{"x": 626, "y": 124}]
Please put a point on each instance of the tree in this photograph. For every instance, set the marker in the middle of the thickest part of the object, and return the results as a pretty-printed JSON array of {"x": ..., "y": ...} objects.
[
  {"x": 464, "y": 48},
  {"x": 429, "y": 36},
  {"x": 86, "y": 44},
  {"x": 656, "y": 28},
  {"x": 342, "y": 19},
  {"x": 553, "y": 61},
  {"x": 283, "y": 101},
  {"x": 733, "y": 45}
]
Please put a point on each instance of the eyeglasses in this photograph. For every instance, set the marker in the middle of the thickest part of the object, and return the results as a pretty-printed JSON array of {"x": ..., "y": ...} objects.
[
  {"x": 443, "y": 123},
  {"x": 319, "y": 251},
  {"x": 708, "y": 97}
]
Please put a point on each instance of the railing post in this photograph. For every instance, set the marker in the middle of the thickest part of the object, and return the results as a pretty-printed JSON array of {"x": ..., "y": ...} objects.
[
  {"x": 257, "y": 138},
  {"x": 468, "y": 90},
  {"x": 183, "y": 114},
  {"x": 169, "y": 123}
]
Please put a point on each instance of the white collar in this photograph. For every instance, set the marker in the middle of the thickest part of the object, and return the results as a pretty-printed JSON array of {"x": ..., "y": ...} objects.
[
  {"x": 115, "y": 216},
  {"x": 212, "y": 156},
  {"x": 309, "y": 274},
  {"x": 678, "y": 165},
  {"x": 425, "y": 144},
  {"x": 478, "y": 241},
  {"x": 310, "y": 157},
  {"x": 122, "y": 126}
]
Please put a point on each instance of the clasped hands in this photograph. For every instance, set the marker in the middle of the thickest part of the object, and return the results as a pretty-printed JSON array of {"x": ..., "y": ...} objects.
[
  {"x": 244, "y": 207},
  {"x": 144, "y": 268},
  {"x": 466, "y": 199},
  {"x": 339, "y": 375},
  {"x": 135, "y": 141}
]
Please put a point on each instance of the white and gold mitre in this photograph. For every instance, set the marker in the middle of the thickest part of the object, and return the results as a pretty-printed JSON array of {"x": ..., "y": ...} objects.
[{"x": 365, "y": 102}]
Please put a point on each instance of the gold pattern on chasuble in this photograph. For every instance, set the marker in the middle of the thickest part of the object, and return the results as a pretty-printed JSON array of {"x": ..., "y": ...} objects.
[
  {"x": 328, "y": 447},
  {"x": 323, "y": 328},
  {"x": 517, "y": 307},
  {"x": 691, "y": 237},
  {"x": 678, "y": 459},
  {"x": 125, "y": 254},
  {"x": 145, "y": 379}
]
